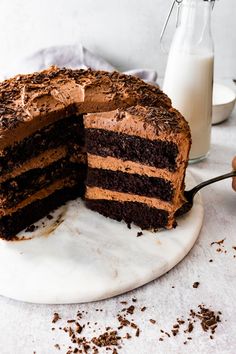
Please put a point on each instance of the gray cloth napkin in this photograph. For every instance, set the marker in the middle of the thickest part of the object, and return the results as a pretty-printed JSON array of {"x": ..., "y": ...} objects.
[{"x": 71, "y": 56}]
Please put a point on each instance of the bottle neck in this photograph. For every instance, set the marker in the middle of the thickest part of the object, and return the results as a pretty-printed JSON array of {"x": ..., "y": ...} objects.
[
  {"x": 194, "y": 27},
  {"x": 193, "y": 13}
]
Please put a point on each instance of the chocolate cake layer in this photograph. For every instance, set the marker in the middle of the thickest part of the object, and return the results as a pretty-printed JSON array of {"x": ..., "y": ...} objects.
[
  {"x": 16, "y": 189},
  {"x": 10, "y": 225},
  {"x": 65, "y": 131},
  {"x": 156, "y": 153},
  {"x": 130, "y": 183},
  {"x": 131, "y": 212}
]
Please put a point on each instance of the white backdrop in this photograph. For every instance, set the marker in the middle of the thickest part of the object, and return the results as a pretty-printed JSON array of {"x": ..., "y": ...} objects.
[{"x": 125, "y": 32}]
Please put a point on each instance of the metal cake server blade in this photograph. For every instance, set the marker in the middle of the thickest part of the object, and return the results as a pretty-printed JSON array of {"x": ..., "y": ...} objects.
[{"x": 189, "y": 195}]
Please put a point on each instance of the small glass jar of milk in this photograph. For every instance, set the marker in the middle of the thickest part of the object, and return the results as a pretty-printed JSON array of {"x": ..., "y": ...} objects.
[{"x": 188, "y": 79}]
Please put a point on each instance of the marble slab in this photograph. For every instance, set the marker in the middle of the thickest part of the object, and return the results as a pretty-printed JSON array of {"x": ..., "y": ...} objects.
[{"x": 81, "y": 256}]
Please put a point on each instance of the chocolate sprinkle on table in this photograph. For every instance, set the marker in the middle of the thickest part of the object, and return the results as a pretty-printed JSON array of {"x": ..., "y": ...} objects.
[
  {"x": 218, "y": 242},
  {"x": 56, "y": 317},
  {"x": 209, "y": 320},
  {"x": 130, "y": 309},
  {"x": 196, "y": 284},
  {"x": 113, "y": 338},
  {"x": 107, "y": 339}
]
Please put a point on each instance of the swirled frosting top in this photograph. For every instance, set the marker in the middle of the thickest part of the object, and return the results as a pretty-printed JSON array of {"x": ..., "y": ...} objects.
[{"x": 29, "y": 102}]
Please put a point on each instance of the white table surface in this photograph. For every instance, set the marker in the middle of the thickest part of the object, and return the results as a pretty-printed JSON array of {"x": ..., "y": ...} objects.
[{"x": 25, "y": 328}]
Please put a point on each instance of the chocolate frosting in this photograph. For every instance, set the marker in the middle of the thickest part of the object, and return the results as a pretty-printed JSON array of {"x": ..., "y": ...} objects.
[
  {"x": 47, "y": 96},
  {"x": 147, "y": 122}
]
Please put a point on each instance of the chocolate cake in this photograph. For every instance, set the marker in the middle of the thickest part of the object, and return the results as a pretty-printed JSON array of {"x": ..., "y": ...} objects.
[{"x": 63, "y": 131}]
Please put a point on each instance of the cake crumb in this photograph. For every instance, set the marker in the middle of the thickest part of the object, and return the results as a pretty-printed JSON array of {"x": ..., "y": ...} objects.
[
  {"x": 196, "y": 284},
  {"x": 31, "y": 228},
  {"x": 49, "y": 217}
]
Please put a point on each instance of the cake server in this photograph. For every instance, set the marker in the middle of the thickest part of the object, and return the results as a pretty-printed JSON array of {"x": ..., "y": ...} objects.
[{"x": 189, "y": 195}]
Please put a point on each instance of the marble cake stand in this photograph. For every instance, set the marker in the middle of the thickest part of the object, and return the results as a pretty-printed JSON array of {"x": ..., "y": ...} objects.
[{"x": 80, "y": 256}]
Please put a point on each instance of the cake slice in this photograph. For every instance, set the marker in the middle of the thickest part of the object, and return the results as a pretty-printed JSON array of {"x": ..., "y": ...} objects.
[{"x": 137, "y": 159}]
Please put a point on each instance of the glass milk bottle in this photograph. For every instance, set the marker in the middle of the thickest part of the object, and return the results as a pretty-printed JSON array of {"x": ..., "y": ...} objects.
[{"x": 189, "y": 73}]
